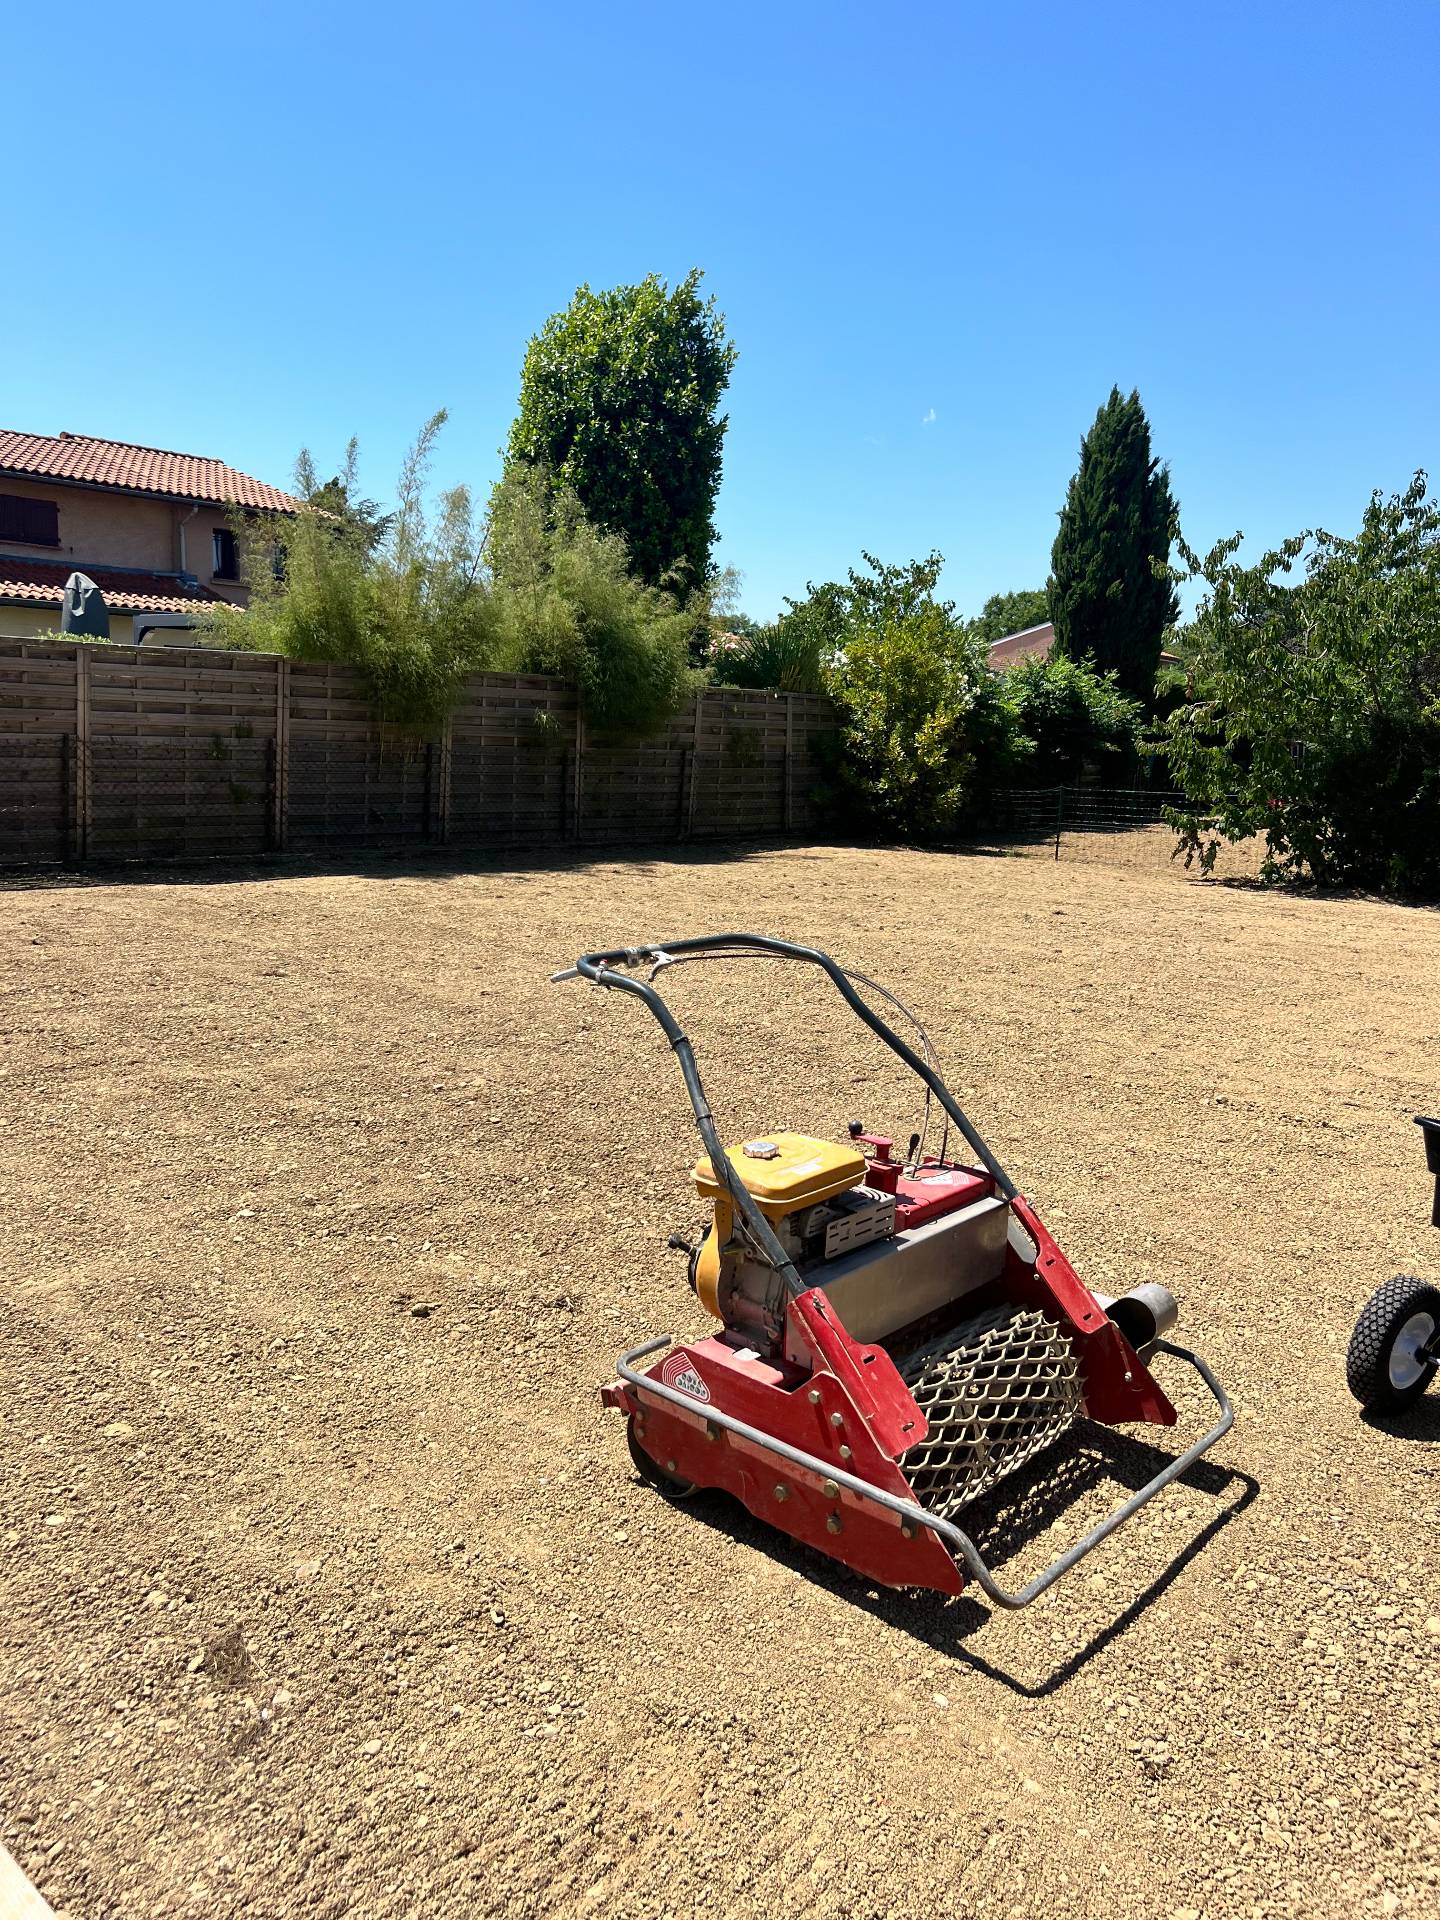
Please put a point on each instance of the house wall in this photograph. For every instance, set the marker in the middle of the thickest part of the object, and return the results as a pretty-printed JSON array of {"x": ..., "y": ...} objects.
[
  {"x": 104, "y": 529},
  {"x": 29, "y": 621}
]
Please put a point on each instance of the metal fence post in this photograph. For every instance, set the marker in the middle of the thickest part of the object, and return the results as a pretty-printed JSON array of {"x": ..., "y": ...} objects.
[{"x": 1059, "y": 817}]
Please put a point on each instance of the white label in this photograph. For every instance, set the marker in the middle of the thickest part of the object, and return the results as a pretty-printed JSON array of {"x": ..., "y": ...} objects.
[{"x": 677, "y": 1372}]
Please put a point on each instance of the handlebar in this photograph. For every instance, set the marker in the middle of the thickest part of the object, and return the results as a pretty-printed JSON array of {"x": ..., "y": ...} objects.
[{"x": 606, "y": 970}]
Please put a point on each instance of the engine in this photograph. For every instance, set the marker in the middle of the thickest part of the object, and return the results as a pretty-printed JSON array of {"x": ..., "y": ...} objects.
[{"x": 892, "y": 1246}]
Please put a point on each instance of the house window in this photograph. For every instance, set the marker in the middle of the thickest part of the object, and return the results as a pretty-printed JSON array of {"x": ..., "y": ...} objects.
[
  {"x": 34, "y": 523},
  {"x": 227, "y": 561}
]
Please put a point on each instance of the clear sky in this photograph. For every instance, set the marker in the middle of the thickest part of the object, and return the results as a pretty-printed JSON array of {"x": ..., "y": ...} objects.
[{"x": 939, "y": 234}]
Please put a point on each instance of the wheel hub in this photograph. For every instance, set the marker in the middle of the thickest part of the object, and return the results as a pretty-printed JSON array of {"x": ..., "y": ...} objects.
[{"x": 1410, "y": 1356}]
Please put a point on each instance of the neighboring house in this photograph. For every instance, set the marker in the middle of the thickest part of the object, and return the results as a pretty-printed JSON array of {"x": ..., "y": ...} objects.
[
  {"x": 1016, "y": 646},
  {"x": 153, "y": 530},
  {"x": 1019, "y": 646}
]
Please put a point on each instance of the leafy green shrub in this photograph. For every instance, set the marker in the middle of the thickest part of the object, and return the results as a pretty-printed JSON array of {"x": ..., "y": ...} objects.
[
  {"x": 1311, "y": 713},
  {"x": 567, "y": 604},
  {"x": 925, "y": 725},
  {"x": 416, "y": 605},
  {"x": 789, "y": 656},
  {"x": 1075, "y": 718},
  {"x": 414, "y": 619}
]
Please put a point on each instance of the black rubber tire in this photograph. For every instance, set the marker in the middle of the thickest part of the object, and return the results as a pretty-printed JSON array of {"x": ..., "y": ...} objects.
[
  {"x": 1367, "y": 1364},
  {"x": 652, "y": 1472}
]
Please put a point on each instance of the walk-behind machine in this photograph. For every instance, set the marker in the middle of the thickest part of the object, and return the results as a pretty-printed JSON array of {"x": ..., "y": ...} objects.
[
  {"x": 1395, "y": 1348},
  {"x": 898, "y": 1331}
]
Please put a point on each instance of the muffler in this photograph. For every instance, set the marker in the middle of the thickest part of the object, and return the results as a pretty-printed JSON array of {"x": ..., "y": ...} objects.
[{"x": 1144, "y": 1315}]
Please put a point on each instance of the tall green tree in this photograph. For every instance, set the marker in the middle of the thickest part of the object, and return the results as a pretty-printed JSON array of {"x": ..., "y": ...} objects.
[
  {"x": 1106, "y": 598},
  {"x": 619, "y": 405}
]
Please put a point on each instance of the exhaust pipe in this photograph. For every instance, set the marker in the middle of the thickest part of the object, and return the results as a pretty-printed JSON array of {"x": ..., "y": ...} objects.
[{"x": 1144, "y": 1315}]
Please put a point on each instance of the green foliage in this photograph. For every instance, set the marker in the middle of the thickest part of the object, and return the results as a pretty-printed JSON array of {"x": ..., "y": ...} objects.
[
  {"x": 1075, "y": 718},
  {"x": 1007, "y": 613},
  {"x": 618, "y": 404},
  {"x": 416, "y": 604},
  {"x": 414, "y": 618},
  {"x": 1312, "y": 709},
  {"x": 566, "y": 603},
  {"x": 793, "y": 655},
  {"x": 925, "y": 724},
  {"x": 1110, "y": 595},
  {"x": 357, "y": 519}
]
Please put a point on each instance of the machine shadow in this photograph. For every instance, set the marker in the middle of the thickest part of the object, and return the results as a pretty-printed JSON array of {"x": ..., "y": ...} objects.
[{"x": 1002, "y": 1524}]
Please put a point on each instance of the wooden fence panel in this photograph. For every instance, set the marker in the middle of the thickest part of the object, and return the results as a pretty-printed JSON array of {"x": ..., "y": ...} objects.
[
  {"x": 181, "y": 693},
  {"x": 358, "y": 793},
  {"x": 36, "y": 798},
  {"x": 153, "y": 752},
  {"x": 178, "y": 798},
  {"x": 37, "y": 687},
  {"x": 641, "y": 791},
  {"x": 512, "y": 747}
]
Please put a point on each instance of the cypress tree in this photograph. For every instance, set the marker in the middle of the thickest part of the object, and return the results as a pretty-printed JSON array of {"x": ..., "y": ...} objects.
[{"x": 1106, "y": 601}]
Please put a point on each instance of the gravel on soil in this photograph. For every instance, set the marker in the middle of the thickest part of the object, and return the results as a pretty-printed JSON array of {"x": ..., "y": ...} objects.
[{"x": 327, "y": 1587}]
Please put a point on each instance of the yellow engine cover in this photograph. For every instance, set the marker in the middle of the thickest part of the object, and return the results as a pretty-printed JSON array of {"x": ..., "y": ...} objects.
[{"x": 786, "y": 1171}]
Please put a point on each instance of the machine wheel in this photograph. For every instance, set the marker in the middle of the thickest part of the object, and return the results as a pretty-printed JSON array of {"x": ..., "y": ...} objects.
[
  {"x": 652, "y": 1472},
  {"x": 1389, "y": 1364}
]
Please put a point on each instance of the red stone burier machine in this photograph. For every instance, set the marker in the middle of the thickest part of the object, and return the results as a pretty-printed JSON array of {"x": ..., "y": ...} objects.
[{"x": 896, "y": 1332}]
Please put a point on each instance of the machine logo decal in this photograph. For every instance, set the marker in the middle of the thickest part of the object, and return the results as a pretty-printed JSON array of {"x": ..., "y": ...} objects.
[{"x": 677, "y": 1372}]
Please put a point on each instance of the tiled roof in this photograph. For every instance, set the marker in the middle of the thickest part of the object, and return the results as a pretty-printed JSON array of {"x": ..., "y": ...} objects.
[
  {"x": 114, "y": 463},
  {"x": 42, "y": 583},
  {"x": 1015, "y": 646}
]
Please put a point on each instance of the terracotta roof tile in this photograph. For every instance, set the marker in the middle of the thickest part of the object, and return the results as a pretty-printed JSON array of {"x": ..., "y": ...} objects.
[
  {"x": 114, "y": 463},
  {"x": 42, "y": 583}
]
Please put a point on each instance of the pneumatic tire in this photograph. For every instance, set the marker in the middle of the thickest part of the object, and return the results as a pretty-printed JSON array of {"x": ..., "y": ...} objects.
[{"x": 1387, "y": 1367}]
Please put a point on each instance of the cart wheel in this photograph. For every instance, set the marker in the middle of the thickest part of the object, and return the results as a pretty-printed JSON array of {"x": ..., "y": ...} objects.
[
  {"x": 652, "y": 1472},
  {"x": 1390, "y": 1363}
]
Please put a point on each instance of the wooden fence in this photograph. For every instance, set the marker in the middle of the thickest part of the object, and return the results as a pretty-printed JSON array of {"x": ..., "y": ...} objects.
[{"x": 144, "y": 753}]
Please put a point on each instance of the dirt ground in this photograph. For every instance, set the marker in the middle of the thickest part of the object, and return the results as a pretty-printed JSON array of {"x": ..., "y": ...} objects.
[{"x": 327, "y": 1585}]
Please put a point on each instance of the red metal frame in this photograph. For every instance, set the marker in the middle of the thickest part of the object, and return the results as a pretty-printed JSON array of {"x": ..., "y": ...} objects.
[{"x": 833, "y": 1393}]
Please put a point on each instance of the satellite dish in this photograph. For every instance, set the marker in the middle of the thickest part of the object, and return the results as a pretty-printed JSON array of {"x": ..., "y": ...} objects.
[{"x": 83, "y": 609}]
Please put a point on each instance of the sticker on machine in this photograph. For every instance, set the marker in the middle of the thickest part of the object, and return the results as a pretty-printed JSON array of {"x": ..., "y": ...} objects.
[{"x": 677, "y": 1372}]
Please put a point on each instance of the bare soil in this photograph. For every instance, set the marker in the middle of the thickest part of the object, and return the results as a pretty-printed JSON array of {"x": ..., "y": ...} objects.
[{"x": 327, "y": 1585}]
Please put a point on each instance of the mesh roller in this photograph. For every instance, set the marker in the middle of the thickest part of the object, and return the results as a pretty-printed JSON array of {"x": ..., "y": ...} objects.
[{"x": 995, "y": 1392}]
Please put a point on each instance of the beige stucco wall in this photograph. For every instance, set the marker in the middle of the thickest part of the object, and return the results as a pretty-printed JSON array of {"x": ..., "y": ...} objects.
[
  {"x": 40, "y": 623},
  {"x": 99, "y": 529},
  {"x": 105, "y": 529}
]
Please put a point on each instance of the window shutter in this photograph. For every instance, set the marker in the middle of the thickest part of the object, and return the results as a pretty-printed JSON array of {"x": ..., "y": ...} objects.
[{"x": 34, "y": 523}]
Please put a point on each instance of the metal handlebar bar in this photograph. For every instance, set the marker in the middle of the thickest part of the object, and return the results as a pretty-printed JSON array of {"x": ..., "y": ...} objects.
[
  {"x": 600, "y": 967},
  {"x": 603, "y": 970}
]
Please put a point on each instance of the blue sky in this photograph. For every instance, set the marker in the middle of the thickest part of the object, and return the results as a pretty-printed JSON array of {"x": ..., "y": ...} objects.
[{"x": 939, "y": 234}]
